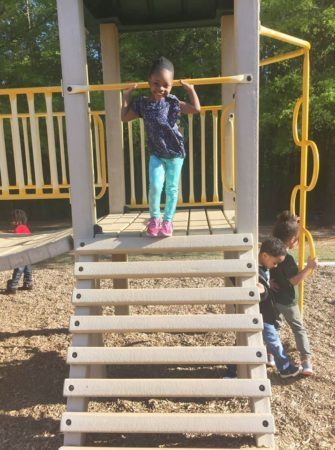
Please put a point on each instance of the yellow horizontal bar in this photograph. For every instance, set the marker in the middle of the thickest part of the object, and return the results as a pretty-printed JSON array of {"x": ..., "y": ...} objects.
[
  {"x": 145, "y": 85},
  {"x": 93, "y": 113},
  {"x": 268, "y": 32},
  {"x": 44, "y": 196},
  {"x": 32, "y": 90},
  {"x": 211, "y": 108},
  {"x": 27, "y": 115},
  {"x": 283, "y": 57}
]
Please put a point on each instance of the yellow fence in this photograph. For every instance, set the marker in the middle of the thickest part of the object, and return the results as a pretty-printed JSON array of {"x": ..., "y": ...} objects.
[
  {"x": 203, "y": 158},
  {"x": 33, "y": 151}
]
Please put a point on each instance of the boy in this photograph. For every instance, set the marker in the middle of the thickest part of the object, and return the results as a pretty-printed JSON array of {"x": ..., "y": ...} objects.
[{"x": 273, "y": 252}]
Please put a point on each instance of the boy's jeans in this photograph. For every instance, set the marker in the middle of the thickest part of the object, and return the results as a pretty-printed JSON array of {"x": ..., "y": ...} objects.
[
  {"x": 17, "y": 273},
  {"x": 274, "y": 346},
  {"x": 160, "y": 170}
]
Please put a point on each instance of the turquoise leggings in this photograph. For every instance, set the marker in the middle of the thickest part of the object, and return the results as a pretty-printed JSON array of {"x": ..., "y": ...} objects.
[{"x": 160, "y": 170}]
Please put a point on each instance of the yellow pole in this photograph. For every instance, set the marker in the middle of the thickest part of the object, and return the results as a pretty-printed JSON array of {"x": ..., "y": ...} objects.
[{"x": 303, "y": 173}]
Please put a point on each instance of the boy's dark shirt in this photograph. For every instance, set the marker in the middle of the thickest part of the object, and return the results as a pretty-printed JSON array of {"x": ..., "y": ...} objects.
[
  {"x": 281, "y": 275},
  {"x": 266, "y": 306}
]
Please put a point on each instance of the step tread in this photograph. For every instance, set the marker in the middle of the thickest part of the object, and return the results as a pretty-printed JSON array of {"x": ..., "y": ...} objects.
[
  {"x": 175, "y": 269},
  {"x": 167, "y": 355},
  {"x": 166, "y": 323},
  {"x": 140, "y": 245},
  {"x": 167, "y": 387},
  {"x": 170, "y": 296},
  {"x": 167, "y": 423}
]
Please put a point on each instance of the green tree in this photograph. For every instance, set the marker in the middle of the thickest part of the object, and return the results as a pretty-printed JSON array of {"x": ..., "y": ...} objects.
[{"x": 313, "y": 20}]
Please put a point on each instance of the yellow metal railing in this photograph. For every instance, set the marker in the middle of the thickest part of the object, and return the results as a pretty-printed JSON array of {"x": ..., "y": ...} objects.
[
  {"x": 33, "y": 146},
  {"x": 208, "y": 157},
  {"x": 303, "y": 142}
]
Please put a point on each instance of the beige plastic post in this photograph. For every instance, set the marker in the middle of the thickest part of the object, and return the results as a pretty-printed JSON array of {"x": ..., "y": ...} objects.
[
  {"x": 109, "y": 37},
  {"x": 73, "y": 58},
  {"x": 246, "y": 23},
  {"x": 246, "y": 113},
  {"x": 228, "y": 91}
]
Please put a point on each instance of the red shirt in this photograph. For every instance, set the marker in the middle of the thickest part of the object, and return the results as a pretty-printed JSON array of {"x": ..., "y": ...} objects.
[{"x": 22, "y": 229}]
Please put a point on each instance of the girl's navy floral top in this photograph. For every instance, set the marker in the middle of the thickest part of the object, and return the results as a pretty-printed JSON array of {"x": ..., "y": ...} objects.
[{"x": 160, "y": 123}]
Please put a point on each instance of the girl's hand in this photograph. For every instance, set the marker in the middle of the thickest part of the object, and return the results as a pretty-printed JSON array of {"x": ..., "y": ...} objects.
[
  {"x": 186, "y": 86},
  {"x": 127, "y": 92},
  {"x": 312, "y": 263}
]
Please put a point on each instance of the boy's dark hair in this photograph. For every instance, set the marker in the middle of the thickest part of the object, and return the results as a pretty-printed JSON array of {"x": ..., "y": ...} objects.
[
  {"x": 273, "y": 247},
  {"x": 19, "y": 216},
  {"x": 160, "y": 64},
  {"x": 286, "y": 226}
]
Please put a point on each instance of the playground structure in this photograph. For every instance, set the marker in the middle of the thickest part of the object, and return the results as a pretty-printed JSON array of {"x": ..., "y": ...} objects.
[{"x": 227, "y": 222}]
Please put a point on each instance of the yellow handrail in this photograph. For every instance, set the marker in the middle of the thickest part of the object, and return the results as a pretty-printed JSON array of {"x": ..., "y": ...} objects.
[
  {"x": 102, "y": 158},
  {"x": 268, "y": 32},
  {"x": 303, "y": 142},
  {"x": 233, "y": 79},
  {"x": 229, "y": 187}
]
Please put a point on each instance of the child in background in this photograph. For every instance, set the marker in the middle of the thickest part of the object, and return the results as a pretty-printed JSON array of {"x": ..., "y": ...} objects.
[
  {"x": 160, "y": 113},
  {"x": 284, "y": 278},
  {"x": 19, "y": 221},
  {"x": 273, "y": 252}
]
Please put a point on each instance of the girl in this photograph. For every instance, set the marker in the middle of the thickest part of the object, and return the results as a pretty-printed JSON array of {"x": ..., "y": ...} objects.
[
  {"x": 19, "y": 221},
  {"x": 160, "y": 113},
  {"x": 283, "y": 280}
]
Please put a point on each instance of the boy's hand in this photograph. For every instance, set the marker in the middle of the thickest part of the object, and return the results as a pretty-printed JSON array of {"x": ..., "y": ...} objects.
[
  {"x": 312, "y": 263},
  {"x": 261, "y": 288}
]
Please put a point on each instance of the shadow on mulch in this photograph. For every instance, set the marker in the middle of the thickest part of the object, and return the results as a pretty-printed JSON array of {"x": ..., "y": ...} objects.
[
  {"x": 170, "y": 441},
  {"x": 35, "y": 381},
  {"x": 30, "y": 333},
  {"x": 162, "y": 371},
  {"x": 36, "y": 434}
]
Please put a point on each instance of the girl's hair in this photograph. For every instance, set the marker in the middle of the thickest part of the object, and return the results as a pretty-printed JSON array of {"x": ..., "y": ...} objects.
[
  {"x": 19, "y": 216},
  {"x": 286, "y": 226},
  {"x": 160, "y": 64}
]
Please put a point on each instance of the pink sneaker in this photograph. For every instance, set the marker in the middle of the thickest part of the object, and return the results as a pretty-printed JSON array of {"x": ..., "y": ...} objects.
[
  {"x": 166, "y": 229},
  {"x": 153, "y": 227}
]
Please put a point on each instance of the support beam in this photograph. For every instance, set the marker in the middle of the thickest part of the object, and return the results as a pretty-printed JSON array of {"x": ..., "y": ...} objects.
[
  {"x": 109, "y": 37},
  {"x": 228, "y": 94},
  {"x": 246, "y": 25},
  {"x": 246, "y": 21},
  {"x": 73, "y": 57}
]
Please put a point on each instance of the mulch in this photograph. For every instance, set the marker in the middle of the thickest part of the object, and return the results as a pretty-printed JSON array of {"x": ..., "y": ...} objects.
[{"x": 34, "y": 341}]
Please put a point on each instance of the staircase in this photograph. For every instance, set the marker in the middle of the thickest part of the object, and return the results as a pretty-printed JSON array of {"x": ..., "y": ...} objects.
[{"x": 89, "y": 358}]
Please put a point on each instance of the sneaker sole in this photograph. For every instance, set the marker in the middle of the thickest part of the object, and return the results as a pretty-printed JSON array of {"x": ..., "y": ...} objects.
[
  {"x": 307, "y": 374},
  {"x": 290, "y": 375},
  {"x": 151, "y": 235}
]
